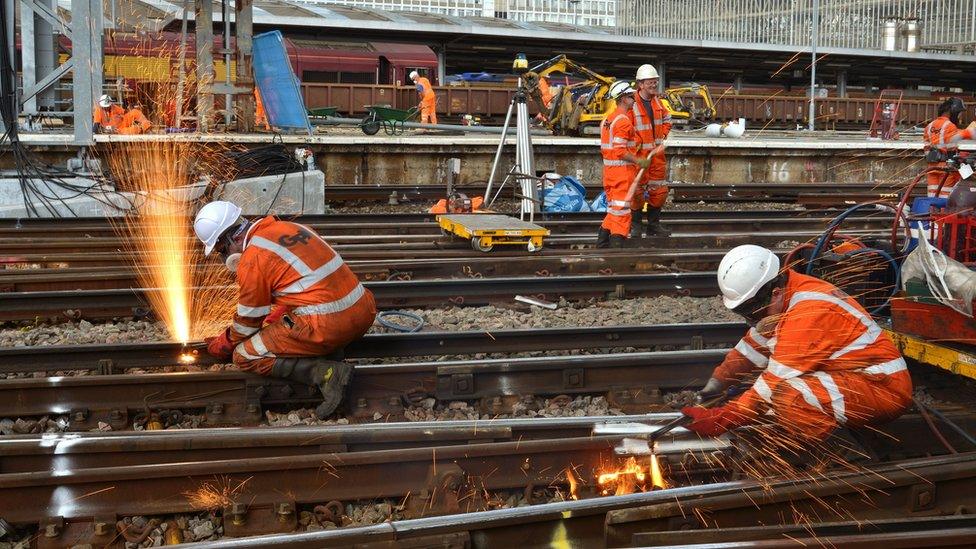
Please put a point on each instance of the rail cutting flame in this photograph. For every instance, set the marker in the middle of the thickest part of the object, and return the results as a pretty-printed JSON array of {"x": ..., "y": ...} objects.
[
  {"x": 573, "y": 483},
  {"x": 632, "y": 477}
]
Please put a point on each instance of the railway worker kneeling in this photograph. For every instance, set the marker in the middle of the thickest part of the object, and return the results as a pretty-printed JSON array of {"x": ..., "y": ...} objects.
[
  {"x": 822, "y": 361},
  {"x": 297, "y": 287}
]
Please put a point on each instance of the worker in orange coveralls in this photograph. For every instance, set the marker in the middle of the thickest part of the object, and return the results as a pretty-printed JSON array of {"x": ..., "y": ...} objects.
[
  {"x": 107, "y": 116},
  {"x": 310, "y": 302},
  {"x": 942, "y": 137},
  {"x": 618, "y": 146},
  {"x": 545, "y": 90},
  {"x": 428, "y": 100},
  {"x": 134, "y": 122},
  {"x": 823, "y": 362},
  {"x": 260, "y": 116},
  {"x": 652, "y": 121}
]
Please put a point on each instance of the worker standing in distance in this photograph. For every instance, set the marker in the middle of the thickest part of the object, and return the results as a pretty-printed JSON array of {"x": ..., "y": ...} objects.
[
  {"x": 310, "y": 303},
  {"x": 823, "y": 362},
  {"x": 618, "y": 146},
  {"x": 652, "y": 121},
  {"x": 108, "y": 115},
  {"x": 428, "y": 100},
  {"x": 942, "y": 137}
]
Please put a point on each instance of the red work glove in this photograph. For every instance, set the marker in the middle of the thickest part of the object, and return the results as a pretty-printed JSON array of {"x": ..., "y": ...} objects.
[
  {"x": 220, "y": 347},
  {"x": 711, "y": 422},
  {"x": 276, "y": 314}
]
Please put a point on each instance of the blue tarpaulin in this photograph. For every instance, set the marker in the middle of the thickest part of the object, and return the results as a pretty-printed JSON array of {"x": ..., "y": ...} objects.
[{"x": 281, "y": 91}]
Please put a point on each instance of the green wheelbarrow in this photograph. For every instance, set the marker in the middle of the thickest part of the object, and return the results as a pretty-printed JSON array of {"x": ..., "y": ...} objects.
[
  {"x": 388, "y": 118},
  {"x": 324, "y": 112}
]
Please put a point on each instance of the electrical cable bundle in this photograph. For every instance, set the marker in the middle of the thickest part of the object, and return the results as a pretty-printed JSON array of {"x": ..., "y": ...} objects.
[
  {"x": 274, "y": 159},
  {"x": 38, "y": 181}
]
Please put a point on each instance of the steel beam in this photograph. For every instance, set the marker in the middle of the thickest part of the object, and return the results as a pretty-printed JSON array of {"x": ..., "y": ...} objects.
[
  {"x": 244, "y": 31},
  {"x": 205, "y": 64},
  {"x": 87, "y": 26}
]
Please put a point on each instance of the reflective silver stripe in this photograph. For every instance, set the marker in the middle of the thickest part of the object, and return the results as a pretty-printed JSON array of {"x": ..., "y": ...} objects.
[
  {"x": 242, "y": 350},
  {"x": 616, "y": 162},
  {"x": 781, "y": 370},
  {"x": 836, "y": 398},
  {"x": 616, "y": 211},
  {"x": 336, "y": 306},
  {"x": 259, "y": 346},
  {"x": 284, "y": 253},
  {"x": 751, "y": 354},
  {"x": 804, "y": 389},
  {"x": 244, "y": 330},
  {"x": 871, "y": 332},
  {"x": 619, "y": 203},
  {"x": 942, "y": 133},
  {"x": 771, "y": 344},
  {"x": 758, "y": 338},
  {"x": 888, "y": 368},
  {"x": 253, "y": 312},
  {"x": 763, "y": 390},
  {"x": 312, "y": 278}
]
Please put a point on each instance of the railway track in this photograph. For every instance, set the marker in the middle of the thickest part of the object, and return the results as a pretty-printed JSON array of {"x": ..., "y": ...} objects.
[
  {"x": 632, "y": 380},
  {"x": 92, "y": 304}
]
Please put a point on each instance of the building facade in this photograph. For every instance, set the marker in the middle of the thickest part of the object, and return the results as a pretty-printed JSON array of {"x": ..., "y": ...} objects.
[
  {"x": 908, "y": 25},
  {"x": 599, "y": 13}
]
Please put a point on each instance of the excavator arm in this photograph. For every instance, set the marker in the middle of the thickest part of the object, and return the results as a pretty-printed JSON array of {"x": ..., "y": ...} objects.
[
  {"x": 689, "y": 102},
  {"x": 574, "y": 105}
]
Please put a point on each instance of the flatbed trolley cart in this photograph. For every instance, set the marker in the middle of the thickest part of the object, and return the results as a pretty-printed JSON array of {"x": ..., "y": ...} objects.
[{"x": 485, "y": 231}]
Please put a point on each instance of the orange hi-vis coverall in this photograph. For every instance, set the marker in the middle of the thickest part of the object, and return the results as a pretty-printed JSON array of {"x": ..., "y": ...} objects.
[
  {"x": 286, "y": 264},
  {"x": 652, "y": 128},
  {"x": 617, "y": 138},
  {"x": 111, "y": 116},
  {"x": 937, "y": 135},
  {"x": 826, "y": 364},
  {"x": 428, "y": 101},
  {"x": 134, "y": 122}
]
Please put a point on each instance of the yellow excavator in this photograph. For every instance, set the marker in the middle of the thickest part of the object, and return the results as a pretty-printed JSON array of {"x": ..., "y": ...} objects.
[{"x": 584, "y": 104}]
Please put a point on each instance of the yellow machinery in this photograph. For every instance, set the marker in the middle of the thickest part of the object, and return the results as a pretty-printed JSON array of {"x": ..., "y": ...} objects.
[
  {"x": 488, "y": 230},
  {"x": 585, "y": 103}
]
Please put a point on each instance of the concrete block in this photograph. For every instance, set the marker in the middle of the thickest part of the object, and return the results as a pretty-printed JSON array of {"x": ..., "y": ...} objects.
[{"x": 288, "y": 194}]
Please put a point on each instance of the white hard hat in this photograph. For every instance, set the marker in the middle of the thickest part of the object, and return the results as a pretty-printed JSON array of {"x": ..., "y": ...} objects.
[
  {"x": 620, "y": 87},
  {"x": 413, "y": 75},
  {"x": 212, "y": 220},
  {"x": 105, "y": 101},
  {"x": 743, "y": 271},
  {"x": 646, "y": 71}
]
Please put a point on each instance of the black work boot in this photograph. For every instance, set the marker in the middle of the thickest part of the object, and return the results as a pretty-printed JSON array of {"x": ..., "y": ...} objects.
[
  {"x": 635, "y": 225},
  {"x": 330, "y": 376},
  {"x": 603, "y": 238},
  {"x": 654, "y": 227},
  {"x": 617, "y": 241}
]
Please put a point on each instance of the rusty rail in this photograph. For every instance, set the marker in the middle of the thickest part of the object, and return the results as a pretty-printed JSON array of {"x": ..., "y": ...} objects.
[{"x": 879, "y": 493}]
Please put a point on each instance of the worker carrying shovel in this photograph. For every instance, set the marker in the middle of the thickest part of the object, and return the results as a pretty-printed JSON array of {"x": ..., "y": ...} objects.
[
  {"x": 822, "y": 361},
  {"x": 297, "y": 287}
]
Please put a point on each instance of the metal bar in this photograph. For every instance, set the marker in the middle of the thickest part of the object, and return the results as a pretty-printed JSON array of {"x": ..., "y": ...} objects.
[
  {"x": 243, "y": 31},
  {"x": 45, "y": 83},
  {"x": 203, "y": 23},
  {"x": 87, "y": 23},
  {"x": 814, "y": 36}
]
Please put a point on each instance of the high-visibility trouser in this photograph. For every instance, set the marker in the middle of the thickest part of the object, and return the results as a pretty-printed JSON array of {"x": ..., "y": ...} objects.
[
  {"x": 811, "y": 406},
  {"x": 305, "y": 335},
  {"x": 653, "y": 189},
  {"x": 935, "y": 178},
  {"x": 617, "y": 179},
  {"x": 428, "y": 110}
]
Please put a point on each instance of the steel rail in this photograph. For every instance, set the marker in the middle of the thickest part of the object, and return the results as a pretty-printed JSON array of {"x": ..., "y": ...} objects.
[
  {"x": 388, "y": 225},
  {"x": 114, "y": 358},
  {"x": 68, "y": 451},
  {"x": 389, "y": 294},
  {"x": 612, "y": 521},
  {"x": 634, "y": 380}
]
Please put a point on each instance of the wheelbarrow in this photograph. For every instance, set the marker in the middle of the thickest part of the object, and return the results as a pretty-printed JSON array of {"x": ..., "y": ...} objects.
[
  {"x": 388, "y": 118},
  {"x": 323, "y": 112}
]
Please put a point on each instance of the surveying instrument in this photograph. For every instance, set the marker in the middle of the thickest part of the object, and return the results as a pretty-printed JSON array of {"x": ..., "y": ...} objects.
[{"x": 485, "y": 231}]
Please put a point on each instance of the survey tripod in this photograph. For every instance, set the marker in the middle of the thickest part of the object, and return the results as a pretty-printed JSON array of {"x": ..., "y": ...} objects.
[{"x": 523, "y": 171}]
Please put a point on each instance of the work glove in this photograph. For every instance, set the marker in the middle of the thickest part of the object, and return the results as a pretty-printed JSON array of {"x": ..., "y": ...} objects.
[
  {"x": 220, "y": 347},
  {"x": 711, "y": 422},
  {"x": 643, "y": 163},
  {"x": 714, "y": 386},
  {"x": 276, "y": 314}
]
